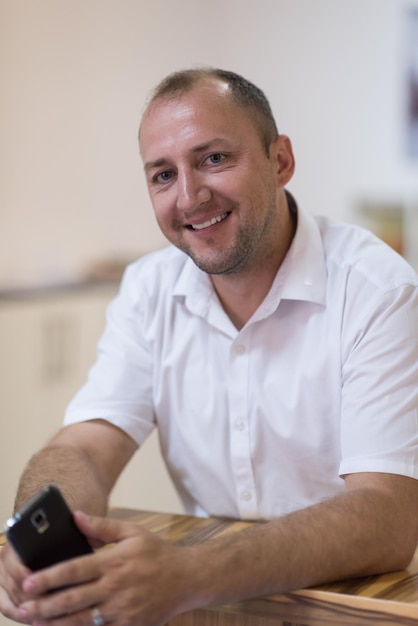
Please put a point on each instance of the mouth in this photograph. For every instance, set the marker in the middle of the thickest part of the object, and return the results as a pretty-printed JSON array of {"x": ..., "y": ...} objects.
[{"x": 208, "y": 223}]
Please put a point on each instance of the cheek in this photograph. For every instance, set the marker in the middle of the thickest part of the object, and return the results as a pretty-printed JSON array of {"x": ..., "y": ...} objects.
[
  {"x": 238, "y": 185},
  {"x": 165, "y": 213},
  {"x": 228, "y": 183},
  {"x": 160, "y": 204}
]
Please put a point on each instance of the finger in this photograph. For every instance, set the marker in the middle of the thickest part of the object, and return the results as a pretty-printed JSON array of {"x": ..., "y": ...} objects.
[
  {"x": 104, "y": 530},
  {"x": 66, "y": 573},
  {"x": 9, "y": 609},
  {"x": 67, "y": 603},
  {"x": 13, "y": 573},
  {"x": 87, "y": 617}
]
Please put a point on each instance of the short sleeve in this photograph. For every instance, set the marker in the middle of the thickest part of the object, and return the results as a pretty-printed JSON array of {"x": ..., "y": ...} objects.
[
  {"x": 379, "y": 421},
  {"x": 119, "y": 385}
]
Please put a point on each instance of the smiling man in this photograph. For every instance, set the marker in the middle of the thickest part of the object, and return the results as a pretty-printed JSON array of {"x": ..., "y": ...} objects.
[{"x": 277, "y": 355}]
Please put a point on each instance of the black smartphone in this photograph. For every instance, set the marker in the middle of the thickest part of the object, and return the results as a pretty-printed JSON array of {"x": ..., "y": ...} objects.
[{"x": 44, "y": 532}]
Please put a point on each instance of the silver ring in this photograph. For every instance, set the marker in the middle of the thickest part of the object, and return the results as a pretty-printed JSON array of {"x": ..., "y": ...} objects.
[{"x": 96, "y": 616}]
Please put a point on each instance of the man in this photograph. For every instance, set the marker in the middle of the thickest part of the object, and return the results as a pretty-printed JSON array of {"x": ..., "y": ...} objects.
[{"x": 276, "y": 353}]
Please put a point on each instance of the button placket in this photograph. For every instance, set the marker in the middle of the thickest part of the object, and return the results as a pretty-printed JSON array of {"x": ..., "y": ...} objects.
[{"x": 239, "y": 430}]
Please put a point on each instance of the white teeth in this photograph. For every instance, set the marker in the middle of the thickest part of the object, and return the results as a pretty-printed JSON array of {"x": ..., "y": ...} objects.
[{"x": 211, "y": 222}]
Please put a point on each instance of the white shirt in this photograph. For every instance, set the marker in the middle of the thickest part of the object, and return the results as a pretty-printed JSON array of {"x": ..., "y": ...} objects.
[{"x": 321, "y": 382}]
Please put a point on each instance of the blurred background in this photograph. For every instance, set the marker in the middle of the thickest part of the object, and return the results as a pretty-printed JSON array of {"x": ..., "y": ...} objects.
[
  {"x": 342, "y": 79},
  {"x": 75, "y": 75}
]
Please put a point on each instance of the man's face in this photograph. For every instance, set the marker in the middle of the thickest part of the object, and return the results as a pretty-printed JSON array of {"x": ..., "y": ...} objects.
[{"x": 212, "y": 186}]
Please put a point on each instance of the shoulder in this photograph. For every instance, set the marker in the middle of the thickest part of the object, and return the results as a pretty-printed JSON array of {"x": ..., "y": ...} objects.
[
  {"x": 357, "y": 254},
  {"x": 146, "y": 295}
]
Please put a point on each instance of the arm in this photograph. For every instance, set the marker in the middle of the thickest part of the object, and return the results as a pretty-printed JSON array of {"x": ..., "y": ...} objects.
[
  {"x": 369, "y": 529},
  {"x": 84, "y": 460}
]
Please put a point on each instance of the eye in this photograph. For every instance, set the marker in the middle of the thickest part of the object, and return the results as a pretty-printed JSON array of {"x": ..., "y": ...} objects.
[
  {"x": 163, "y": 177},
  {"x": 216, "y": 158}
]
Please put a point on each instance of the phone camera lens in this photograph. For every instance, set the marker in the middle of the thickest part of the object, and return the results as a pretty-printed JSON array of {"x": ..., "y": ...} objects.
[{"x": 39, "y": 521}]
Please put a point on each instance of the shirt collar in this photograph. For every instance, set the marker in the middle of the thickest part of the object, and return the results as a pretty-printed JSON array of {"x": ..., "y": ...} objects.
[
  {"x": 196, "y": 286},
  {"x": 303, "y": 273}
]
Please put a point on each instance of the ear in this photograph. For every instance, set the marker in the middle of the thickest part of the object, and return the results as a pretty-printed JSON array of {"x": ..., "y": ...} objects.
[{"x": 282, "y": 153}]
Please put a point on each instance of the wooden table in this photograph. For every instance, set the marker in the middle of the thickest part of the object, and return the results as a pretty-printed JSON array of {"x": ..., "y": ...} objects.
[{"x": 387, "y": 600}]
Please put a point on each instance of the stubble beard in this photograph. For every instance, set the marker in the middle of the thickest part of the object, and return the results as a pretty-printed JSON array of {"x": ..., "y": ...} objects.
[
  {"x": 228, "y": 260},
  {"x": 254, "y": 244}
]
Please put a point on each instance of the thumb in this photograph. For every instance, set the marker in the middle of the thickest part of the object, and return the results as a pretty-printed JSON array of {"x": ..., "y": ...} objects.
[{"x": 101, "y": 531}]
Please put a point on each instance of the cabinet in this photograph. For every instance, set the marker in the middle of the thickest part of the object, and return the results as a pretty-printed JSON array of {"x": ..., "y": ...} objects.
[{"x": 47, "y": 344}]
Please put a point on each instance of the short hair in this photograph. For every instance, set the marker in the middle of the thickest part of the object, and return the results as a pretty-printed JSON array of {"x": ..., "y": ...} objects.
[{"x": 245, "y": 95}]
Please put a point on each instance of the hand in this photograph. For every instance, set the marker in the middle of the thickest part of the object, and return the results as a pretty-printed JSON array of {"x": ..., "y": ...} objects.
[
  {"x": 12, "y": 574},
  {"x": 139, "y": 580}
]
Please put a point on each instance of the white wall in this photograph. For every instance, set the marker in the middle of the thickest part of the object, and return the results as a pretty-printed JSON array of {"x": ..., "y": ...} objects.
[{"x": 74, "y": 76}]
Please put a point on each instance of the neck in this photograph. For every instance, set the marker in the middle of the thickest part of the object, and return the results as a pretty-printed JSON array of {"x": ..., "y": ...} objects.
[
  {"x": 241, "y": 293},
  {"x": 240, "y": 299}
]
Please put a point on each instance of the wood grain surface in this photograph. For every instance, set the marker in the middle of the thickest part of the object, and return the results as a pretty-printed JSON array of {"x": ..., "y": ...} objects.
[{"x": 386, "y": 600}]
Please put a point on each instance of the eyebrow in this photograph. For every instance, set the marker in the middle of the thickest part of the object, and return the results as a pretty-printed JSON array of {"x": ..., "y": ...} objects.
[{"x": 149, "y": 165}]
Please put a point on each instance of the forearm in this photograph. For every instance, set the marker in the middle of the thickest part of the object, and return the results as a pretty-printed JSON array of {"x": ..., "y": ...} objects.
[
  {"x": 71, "y": 469},
  {"x": 84, "y": 460},
  {"x": 356, "y": 534}
]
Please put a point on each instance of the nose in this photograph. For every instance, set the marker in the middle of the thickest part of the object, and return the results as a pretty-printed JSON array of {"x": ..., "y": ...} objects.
[{"x": 192, "y": 191}]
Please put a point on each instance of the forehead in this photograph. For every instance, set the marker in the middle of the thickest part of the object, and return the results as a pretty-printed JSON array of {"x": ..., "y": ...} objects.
[{"x": 205, "y": 112}]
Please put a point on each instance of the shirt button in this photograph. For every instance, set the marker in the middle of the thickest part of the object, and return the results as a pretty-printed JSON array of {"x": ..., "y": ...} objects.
[
  {"x": 240, "y": 348},
  {"x": 240, "y": 425},
  {"x": 246, "y": 495}
]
